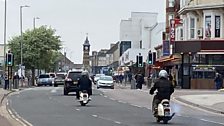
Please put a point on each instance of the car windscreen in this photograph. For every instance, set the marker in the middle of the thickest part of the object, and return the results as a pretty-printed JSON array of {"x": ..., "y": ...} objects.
[
  {"x": 52, "y": 75},
  {"x": 44, "y": 76},
  {"x": 106, "y": 78},
  {"x": 98, "y": 75},
  {"x": 61, "y": 76},
  {"x": 74, "y": 75}
]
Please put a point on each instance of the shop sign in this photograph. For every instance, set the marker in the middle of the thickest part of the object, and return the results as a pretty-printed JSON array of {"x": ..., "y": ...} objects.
[
  {"x": 166, "y": 48},
  {"x": 172, "y": 31},
  {"x": 217, "y": 26}
]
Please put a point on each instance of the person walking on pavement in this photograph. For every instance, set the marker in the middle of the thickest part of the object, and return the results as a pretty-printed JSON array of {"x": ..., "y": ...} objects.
[
  {"x": 121, "y": 78},
  {"x": 6, "y": 82},
  {"x": 218, "y": 81},
  {"x": 129, "y": 77},
  {"x": 139, "y": 80}
]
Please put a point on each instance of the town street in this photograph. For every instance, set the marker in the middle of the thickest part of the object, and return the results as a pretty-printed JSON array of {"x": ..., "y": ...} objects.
[{"x": 46, "y": 106}]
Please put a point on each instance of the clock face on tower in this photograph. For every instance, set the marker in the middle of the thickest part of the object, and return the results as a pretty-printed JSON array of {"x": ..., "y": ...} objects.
[{"x": 86, "y": 48}]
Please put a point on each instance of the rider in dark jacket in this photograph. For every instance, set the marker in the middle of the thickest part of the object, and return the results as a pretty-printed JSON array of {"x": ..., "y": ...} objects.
[
  {"x": 84, "y": 83},
  {"x": 164, "y": 88}
]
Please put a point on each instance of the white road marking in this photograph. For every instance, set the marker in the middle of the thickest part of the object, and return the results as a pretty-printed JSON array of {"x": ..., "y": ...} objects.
[
  {"x": 105, "y": 96},
  {"x": 78, "y": 109},
  {"x": 10, "y": 112},
  {"x": 18, "y": 118},
  {"x": 117, "y": 122},
  {"x": 112, "y": 99},
  {"x": 212, "y": 121},
  {"x": 136, "y": 105},
  {"x": 122, "y": 102},
  {"x": 55, "y": 89},
  {"x": 95, "y": 116}
]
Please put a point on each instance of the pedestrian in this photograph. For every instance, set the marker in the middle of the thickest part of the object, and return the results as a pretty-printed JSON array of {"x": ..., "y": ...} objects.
[
  {"x": 218, "y": 81},
  {"x": 6, "y": 82},
  {"x": 121, "y": 78},
  {"x": 129, "y": 77},
  {"x": 139, "y": 80}
]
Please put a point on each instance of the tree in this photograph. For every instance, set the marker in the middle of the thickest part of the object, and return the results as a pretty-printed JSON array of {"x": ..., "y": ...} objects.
[{"x": 40, "y": 47}]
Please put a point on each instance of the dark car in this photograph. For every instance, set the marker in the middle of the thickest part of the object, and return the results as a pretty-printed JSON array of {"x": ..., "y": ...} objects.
[
  {"x": 71, "y": 81},
  {"x": 59, "y": 79}
]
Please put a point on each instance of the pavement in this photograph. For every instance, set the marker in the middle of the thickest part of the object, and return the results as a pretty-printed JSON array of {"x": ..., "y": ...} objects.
[
  {"x": 3, "y": 120},
  {"x": 209, "y": 100}
]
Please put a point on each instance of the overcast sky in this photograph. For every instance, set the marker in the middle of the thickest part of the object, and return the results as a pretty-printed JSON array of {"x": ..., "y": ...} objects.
[{"x": 74, "y": 18}]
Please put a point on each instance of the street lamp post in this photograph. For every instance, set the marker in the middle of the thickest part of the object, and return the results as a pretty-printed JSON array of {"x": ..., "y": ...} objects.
[
  {"x": 34, "y": 22},
  {"x": 21, "y": 42},
  {"x": 5, "y": 34}
]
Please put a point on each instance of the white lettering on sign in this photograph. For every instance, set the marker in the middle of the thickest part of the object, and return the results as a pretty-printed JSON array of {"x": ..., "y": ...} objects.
[{"x": 172, "y": 30}]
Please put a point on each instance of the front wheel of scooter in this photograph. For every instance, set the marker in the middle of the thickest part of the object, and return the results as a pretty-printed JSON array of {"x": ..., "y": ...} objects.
[{"x": 165, "y": 121}]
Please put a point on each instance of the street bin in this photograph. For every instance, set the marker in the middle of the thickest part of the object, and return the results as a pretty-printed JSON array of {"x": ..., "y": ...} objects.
[
  {"x": 149, "y": 83},
  {"x": 133, "y": 84},
  {"x": 16, "y": 84}
]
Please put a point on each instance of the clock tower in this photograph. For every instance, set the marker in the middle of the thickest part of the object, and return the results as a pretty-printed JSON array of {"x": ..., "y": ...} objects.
[{"x": 86, "y": 58}]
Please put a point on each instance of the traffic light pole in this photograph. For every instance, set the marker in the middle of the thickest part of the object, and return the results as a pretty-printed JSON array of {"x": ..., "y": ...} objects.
[{"x": 9, "y": 63}]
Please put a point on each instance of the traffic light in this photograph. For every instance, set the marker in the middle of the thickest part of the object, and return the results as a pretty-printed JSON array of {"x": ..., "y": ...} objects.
[
  {"x": 140, "y": 61},
  {"x": 9, "y": 59},
  {"x": 150, "y": 58}
]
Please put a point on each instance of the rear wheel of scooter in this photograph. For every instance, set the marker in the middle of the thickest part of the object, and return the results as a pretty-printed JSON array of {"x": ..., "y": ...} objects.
[
  {"x": 82, "y": 104},
  {"x": 158, "y": 119},
  {"x": 165, "y": 121}
]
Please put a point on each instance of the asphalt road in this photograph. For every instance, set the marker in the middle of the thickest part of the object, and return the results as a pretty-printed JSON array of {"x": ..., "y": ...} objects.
[{"x": 46, "y": 106}]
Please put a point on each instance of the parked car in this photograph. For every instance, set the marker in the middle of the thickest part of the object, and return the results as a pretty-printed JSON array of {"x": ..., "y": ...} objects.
[
  {"x": 45, "y": 79},
  {"x": 105, "y": 81},
  {"x": 71, "y": 81},
  {"x": 97, "y": 76},
  {"x": 59, "y": 79}
]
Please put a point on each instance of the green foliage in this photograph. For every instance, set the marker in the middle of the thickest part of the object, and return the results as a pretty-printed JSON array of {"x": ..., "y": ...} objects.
[{"x": 40, "y": 48}]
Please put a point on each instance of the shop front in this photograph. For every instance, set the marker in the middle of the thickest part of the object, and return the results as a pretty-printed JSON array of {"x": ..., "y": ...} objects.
[{"x": 200, "y": 61}]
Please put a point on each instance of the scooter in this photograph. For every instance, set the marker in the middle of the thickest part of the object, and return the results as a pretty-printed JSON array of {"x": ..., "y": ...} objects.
[
  {"x": 163, "y": 112},
  {"x": 83, "y": 98}
]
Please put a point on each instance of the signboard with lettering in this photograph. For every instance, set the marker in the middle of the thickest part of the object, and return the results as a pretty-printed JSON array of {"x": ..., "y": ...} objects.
[
  {"x": 172, "y": 31},
  {"x": 217, "y": 26},
  {"x": 166, "y": 48}
]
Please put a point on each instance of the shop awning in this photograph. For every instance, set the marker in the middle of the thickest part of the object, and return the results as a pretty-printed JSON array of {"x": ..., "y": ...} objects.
[
  {"x": 173, "y": 57},
  {"x": 211, "y": 52}
]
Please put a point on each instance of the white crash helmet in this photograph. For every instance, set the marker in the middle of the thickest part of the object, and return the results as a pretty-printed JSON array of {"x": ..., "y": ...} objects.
[
  {"x": 86, "y": 73},
  {"x": 163, "y": 73}
]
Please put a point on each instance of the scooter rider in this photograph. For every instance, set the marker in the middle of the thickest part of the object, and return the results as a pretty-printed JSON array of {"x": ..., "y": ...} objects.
[
  {"x": 84, "y": 83},
  {"x": 164, "y": 88}
]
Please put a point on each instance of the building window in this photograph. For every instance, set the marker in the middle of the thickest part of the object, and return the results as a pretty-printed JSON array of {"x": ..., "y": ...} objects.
[
  {"x": 171, "y": 3},
  {"x": 192, "y": 28},
  {"x": 208, "y": 26},
  {"x": 171, "y": 16},
  {"x": 141, "y": 44},
  {"x": 181, "y": 34},
  {"x": 217, "y": 26}
]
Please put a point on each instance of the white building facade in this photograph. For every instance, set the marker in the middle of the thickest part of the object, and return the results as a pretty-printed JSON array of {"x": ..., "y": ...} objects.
[{"x": 143, "y": 32}]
